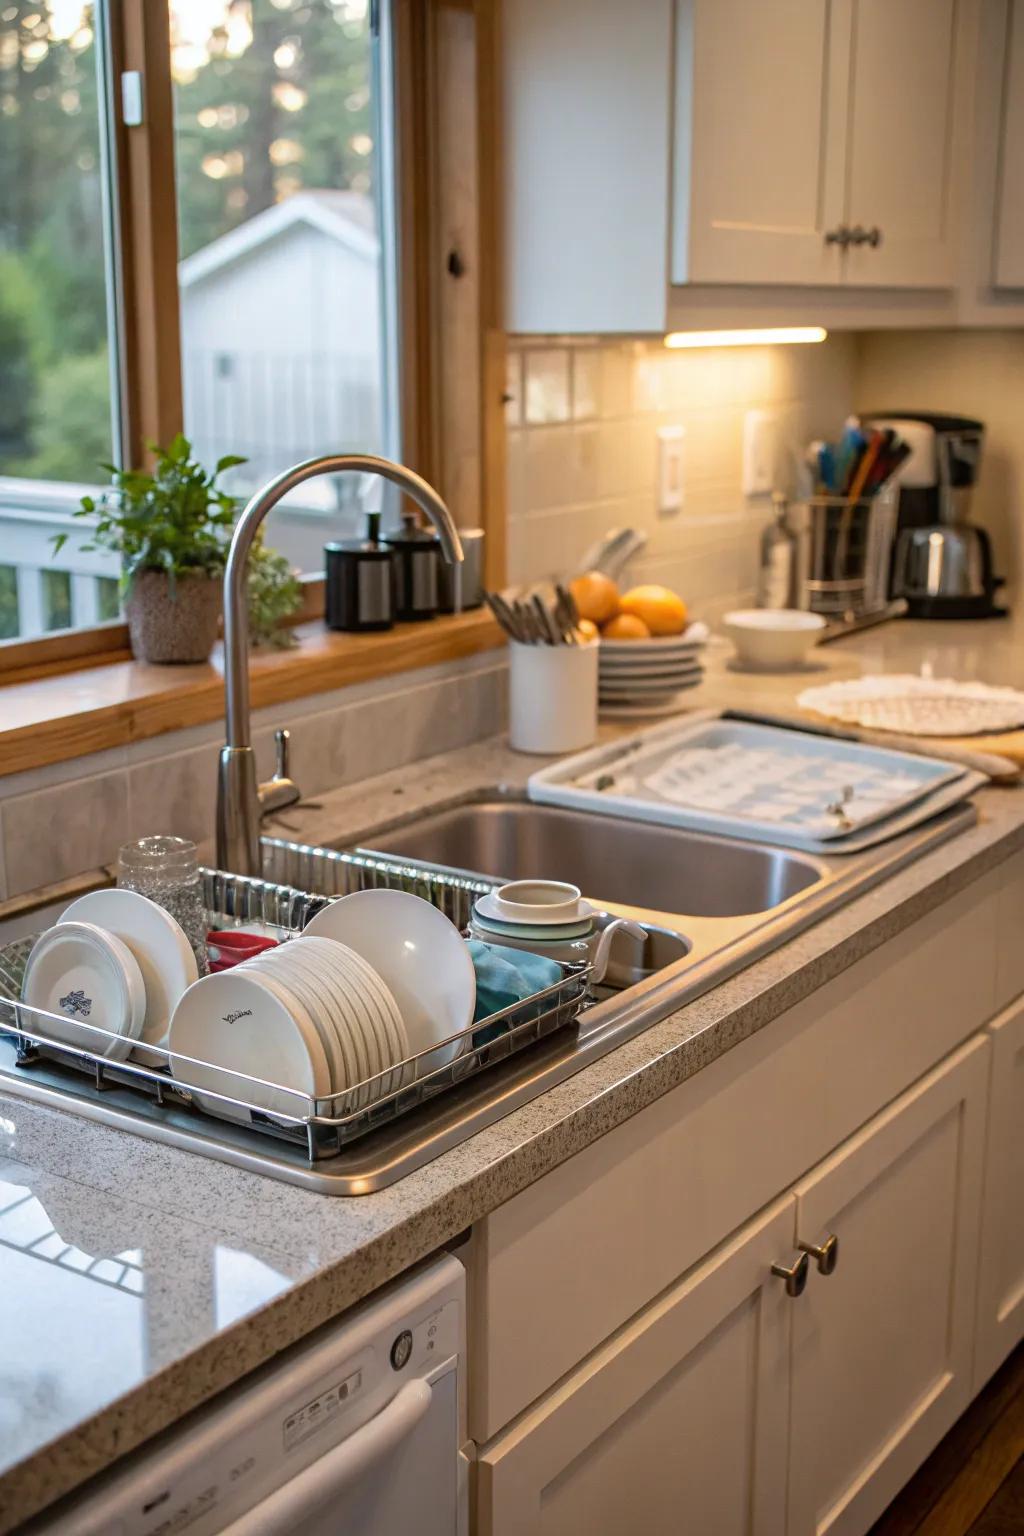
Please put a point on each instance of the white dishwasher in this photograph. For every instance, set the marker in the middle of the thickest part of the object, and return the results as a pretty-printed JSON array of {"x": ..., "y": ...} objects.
[{"x": 356, "y": 1431}]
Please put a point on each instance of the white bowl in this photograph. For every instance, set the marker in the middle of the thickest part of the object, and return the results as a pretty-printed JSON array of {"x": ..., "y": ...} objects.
[
  {"x": 538, "y": 901},
  {"x": 420, "y": 956},
  {"x": 773, "y": 639}
]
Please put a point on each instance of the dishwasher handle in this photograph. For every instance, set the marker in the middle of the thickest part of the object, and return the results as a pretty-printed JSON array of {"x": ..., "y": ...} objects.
[{"x": 333, "y": 1473}]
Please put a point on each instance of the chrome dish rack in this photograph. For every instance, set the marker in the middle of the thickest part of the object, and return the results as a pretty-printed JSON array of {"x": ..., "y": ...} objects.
[{"x": 319, "y": 1128}]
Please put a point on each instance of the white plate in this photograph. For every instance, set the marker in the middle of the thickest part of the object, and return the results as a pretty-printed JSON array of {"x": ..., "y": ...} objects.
[
  {"x": 87, "y": 975},
  {"x": 329, "y": 965},
  {"x": 647, "y": 668},
  {"x": 237, "y": 1026},
  {"x": 420, "y": 956},
  {"x": 364, "y": 1005},
  {"x": 160, "y": 947},
  {"x": 323, "y": 1009}
]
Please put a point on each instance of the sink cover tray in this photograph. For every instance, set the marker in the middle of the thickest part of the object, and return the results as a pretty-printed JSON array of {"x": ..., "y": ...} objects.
[{"x": 761, "y": 782}]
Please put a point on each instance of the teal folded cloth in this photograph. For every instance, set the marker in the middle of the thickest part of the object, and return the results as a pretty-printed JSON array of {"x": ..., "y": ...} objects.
[{"x": 505, "y": 976}]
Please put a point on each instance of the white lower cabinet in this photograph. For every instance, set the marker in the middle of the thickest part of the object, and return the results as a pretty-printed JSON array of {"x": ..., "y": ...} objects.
[
  {"x": 678, "y": 1424},
  {"x": 729, "y": 1407},
  {"x": 882, "y": 1347},
  {"x": 1001, "y": 1275}
]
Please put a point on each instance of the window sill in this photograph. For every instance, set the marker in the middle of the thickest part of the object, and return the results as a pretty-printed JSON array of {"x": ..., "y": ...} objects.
[{"x": 51, "y": 719}]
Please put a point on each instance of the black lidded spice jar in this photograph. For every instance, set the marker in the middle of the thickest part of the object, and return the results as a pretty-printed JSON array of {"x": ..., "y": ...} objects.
[
  {"x": 360, "y": 582},
  {"x": 417, "y": 562}
]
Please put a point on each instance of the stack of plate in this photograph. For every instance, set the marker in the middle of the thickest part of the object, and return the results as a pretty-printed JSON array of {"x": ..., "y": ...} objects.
[
  {"x": 368, "y": 998},
  {"x": 304, "y": 1020},
  {"x": 648, "y": 677}
]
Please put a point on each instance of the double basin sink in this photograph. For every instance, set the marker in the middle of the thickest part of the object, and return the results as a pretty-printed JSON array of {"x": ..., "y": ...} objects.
[{"x": 710, "y": 906}]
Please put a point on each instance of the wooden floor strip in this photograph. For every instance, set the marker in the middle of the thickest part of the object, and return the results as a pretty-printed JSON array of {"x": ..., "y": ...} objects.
[{"x": 957, "y": 1482}]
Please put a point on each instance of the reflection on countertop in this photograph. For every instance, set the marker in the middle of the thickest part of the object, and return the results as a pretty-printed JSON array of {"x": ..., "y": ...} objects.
[{"x": 138, "y": 1279}]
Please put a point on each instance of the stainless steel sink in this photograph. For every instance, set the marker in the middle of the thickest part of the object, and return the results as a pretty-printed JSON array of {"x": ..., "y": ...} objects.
[{"x": 613, "y": 861}]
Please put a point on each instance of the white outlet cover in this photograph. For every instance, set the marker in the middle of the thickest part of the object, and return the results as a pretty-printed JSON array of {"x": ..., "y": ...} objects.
[
  {"x": 760, "y": 433},
  {"x": 670, "y": 468}
]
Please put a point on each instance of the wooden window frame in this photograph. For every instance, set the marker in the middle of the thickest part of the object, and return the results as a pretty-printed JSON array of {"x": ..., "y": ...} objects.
[{"x": 451, "y": 345}]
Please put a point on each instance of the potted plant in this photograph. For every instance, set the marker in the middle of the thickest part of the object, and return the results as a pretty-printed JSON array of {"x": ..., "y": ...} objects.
[{"x": 171, "y": 526}]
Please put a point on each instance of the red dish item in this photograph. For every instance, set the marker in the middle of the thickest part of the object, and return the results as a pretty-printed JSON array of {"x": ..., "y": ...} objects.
[{"x": 228, "y": 947}]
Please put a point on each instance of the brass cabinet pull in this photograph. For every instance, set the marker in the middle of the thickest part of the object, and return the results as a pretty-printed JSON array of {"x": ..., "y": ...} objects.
[
  {"x": 795, "y": 1275},
  {"x": 826, "y": 1255}
]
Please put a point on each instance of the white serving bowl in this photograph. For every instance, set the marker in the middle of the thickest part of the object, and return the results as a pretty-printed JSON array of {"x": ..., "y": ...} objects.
[{"x": 773, "y": 639}]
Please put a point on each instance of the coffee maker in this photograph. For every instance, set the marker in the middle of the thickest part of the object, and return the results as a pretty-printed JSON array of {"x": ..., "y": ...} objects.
[{"x": 942, "y": 563}]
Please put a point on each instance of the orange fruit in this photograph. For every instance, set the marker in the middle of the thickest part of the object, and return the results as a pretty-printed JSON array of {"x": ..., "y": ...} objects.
[
  {"x": 663, "y": 612},
  {"x": 588, "y": 629},
  {"x": 626, "y": 626},
  {"x": 597, "y": 596}
]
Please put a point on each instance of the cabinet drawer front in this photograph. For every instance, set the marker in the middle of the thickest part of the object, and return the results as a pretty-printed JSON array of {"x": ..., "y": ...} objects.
[
  {"x": 882, "y": 1346},
  {"x": 1001, "y": 1277},
  {"x": 684, "y": 1410},
  {"x": 562, "y": 1265}
]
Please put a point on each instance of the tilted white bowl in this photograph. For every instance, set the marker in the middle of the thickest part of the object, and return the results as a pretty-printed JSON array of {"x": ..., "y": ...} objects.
[{"x": 773, "y": 639}]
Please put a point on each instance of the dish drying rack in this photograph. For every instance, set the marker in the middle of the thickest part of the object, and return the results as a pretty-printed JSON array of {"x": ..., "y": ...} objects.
[{"x": 319, "y": 1128}]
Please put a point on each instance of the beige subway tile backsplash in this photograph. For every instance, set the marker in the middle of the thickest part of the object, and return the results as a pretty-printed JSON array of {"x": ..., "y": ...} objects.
[{"x": 570, "y": 481}]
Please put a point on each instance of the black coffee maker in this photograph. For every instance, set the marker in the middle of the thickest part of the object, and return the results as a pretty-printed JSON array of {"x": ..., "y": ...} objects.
[{"x": 942, "y": 563}]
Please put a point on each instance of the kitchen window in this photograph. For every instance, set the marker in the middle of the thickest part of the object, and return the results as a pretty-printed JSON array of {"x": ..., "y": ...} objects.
[{"x": 269, "y": 113}]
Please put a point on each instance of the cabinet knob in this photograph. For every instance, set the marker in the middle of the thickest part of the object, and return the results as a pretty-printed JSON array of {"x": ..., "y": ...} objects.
[
  {"x": 826, "y": 1255},
  {"x": 795, "y": 1275},
  {"x": 840, "y": 236},
  {"x": 861, "y": 236}
]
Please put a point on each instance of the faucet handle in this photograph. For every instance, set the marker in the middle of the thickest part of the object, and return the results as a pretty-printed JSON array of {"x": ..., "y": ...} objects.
[
  {"x": 282, "y": 753},
  {"x": 280, "y": 791}
]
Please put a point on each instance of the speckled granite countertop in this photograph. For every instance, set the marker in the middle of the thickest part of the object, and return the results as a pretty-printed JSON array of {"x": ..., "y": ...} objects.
[{"x": 138, "y": 1280}]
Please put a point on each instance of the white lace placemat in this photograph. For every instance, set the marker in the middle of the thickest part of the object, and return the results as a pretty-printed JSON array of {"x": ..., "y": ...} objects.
[{"x": 918, "y": 706}]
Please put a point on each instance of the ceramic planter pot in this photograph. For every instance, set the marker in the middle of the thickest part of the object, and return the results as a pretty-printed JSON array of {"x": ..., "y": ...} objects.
[{"x": 173, "y": 624}]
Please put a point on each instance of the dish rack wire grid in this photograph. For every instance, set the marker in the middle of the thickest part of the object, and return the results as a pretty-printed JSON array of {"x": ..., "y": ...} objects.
[{"x": 320, "y": 1127}]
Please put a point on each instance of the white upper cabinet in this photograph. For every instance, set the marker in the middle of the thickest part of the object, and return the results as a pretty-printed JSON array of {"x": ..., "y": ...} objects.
[
  {"x": 710, "y": 152},
  {"x": 759, "y": 122},
  {"x": 1008, "y": 267},
  {"x": 586, "y": 100},
  {"x": 815, "y": 138},
  {"x": 899, "y": 151}
]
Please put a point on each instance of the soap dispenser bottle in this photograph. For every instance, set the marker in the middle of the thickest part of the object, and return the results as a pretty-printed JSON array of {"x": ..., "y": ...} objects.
[{"x": 776, "y": 581}]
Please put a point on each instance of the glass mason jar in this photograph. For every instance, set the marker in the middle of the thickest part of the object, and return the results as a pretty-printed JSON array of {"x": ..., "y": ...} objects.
[{"x": 166, "y": 869}]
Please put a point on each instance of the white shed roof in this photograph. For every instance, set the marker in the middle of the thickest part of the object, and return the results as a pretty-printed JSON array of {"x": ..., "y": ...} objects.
[{"x": 347, "y": 217}]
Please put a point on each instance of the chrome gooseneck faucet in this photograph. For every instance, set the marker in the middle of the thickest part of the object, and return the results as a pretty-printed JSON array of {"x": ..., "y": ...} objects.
[{"x": 241, "y": 799}]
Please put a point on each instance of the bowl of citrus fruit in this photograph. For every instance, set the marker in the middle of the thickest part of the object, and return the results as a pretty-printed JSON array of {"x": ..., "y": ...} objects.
[{"x": 650, "y": 649}]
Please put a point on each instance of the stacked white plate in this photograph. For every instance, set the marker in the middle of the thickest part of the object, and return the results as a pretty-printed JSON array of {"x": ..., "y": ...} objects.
[
  {"x": 307, "y": 1020},
  {"x": 378, "y": 991},
  {"x": 649, "y": 677}
]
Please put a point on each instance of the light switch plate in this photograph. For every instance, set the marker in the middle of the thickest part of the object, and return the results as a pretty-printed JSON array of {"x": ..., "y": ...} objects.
[
  {"x": 760, "y": 433},
  {"x": 670, "y": 468}
]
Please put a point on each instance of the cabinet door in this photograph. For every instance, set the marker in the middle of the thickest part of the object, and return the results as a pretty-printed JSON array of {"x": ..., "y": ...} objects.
[
  {"x": 899, "y": 155},
  {"x": 882, "y": 1347},
  {"x": 758, "y": 152},
  {"x": 1009, "y": 245},
  {"x": 677, "y": 1424},
  {"x": 1001, "y": 1276}
]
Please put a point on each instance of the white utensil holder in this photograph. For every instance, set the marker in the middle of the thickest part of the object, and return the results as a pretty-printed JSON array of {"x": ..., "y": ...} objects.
[{"x": 552, "y": 697}]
